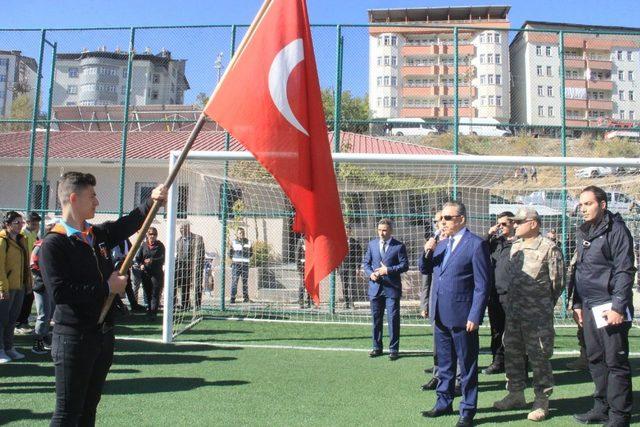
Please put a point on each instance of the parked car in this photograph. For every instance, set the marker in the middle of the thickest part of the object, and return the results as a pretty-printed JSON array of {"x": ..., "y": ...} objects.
[
  {"x": 550, "y": 198},
  {"x": 594, "y": 171},
  {"x": 410, "y": 127}
]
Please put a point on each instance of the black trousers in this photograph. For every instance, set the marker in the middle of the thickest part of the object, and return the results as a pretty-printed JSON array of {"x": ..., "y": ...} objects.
[
  {"x": 348, "y": 276},
  {"x": 608, "y": 356},
  {"x": 27, "y": 304},
  {"x": 81, "y": 363},
  {"x": 185, "y": 279},
  {"x": 152, "y": 287},
  {"x": 496, "y": 321}
]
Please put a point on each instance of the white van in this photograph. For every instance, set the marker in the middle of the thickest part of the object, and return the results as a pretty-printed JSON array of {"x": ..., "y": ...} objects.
[
  {"x": 410, "y": 127},
  {"x": 482, "y": 127}
]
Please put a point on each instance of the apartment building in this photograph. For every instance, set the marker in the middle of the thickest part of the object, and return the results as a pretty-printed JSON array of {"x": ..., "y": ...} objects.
[
  {"x": 100, "y": 78},
  {"x": 17, "y": 76},
  {"x": 411, "y": 69},
  {"x": 601, "y": 74}
]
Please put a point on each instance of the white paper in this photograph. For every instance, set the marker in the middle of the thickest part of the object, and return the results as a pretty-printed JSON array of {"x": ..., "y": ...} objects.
[{"x": 598, "y": 310}]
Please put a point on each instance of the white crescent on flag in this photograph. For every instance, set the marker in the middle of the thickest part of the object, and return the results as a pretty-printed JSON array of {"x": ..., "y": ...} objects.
[{"x": 281, "y": 67}]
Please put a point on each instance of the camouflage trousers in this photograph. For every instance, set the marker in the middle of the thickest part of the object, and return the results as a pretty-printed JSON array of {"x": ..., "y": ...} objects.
[{"x": 532, "y": 337}]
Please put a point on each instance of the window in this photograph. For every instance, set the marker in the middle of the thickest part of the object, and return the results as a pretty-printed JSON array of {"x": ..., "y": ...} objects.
[
  {"x": 499, "y": 100},
  {"x": 36, "y": 195},
  {"x": 394, "y": 81},
  {"x": 632, "y": 115},
  {"x": 482, "y": 38},
  {"x": 379, "y": 101},
  {"x": 630, "y": 75},
  {"x": 123, "y": 90},
  {"x": 394, "y": 40},
  {"x": 483, "y": 79},
  {"x": 498, "y": 58},
  {"x": 622, "y": 114},
  {"x": 124, "y": 73},
  {"x": 394, "y": 101},
  {"x": 550, "y": 111},
  {"x": 540, "y": 111},
  {"x": 4, "y": 62},
  {"x": 490, "y": 79},
  {"x": 498, "y": 79},
  {"x": 549, "y": 70},
  {"x": 548, "y": 50},
  {"x": 549, "y": 90},
  {"x": 630, "y": 95},
  {"x": 621, "y": 75},
  {"x": 492, "y": 100},
  {"x": 385, "y": 101},
  {"x": 143, "y": 192},
  {"x": 154, "y": 94},
  {"x": 489, "y": 58},
  {"x": 73, "y": 72},
  {"x": 629, "y": 55},
  {"x": 387, "y": 60},
  {"x": 539, "y": 70},
  {"x": 155, "y": 78},
  {"x": 387, "y": 40},
  {"x": 621, "y": 95},
  {"x": 482, "y": 58},
  {"x": 540, "y": 91},
  {"x": 379, "y": 80},
  {"x": 497, "y": 38},
  {"x": 490, "y": 38},
  {"x": 72, "y": 89},
  {"x": 539, "y": 50},
  {"x": 70, "y": 104},
  {"x": 379, "y": 62},
  {"x": 394, "y": 61},
  {"x": 483, "y": 100},
  {"x": 619, "y": 55},
  {"x": 386, "y": 80}
]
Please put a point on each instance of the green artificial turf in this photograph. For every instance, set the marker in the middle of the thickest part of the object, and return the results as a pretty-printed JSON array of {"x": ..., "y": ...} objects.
[{"x": 252, "y": 378}]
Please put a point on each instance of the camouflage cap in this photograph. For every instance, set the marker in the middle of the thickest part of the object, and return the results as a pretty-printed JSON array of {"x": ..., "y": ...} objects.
[{"x": 525, "y": 213}]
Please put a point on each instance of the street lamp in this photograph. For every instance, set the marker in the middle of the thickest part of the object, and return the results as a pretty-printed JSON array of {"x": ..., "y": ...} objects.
[{"x": 218, "y": 66}]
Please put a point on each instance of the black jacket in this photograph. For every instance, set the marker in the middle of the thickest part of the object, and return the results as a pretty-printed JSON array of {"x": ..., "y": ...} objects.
[
  {"x": 605, "y": 264},
  {"x": 499, "y": 249},
  {"x": 155, "y": 254},
  {"x": 77, "y": 273}
]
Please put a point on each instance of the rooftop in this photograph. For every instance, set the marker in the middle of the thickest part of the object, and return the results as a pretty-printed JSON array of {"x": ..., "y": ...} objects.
[{"x": 442, "y": 14}]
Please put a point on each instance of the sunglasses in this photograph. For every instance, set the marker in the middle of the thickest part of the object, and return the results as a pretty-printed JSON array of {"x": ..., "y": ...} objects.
[{"x": 450, "y": 217}]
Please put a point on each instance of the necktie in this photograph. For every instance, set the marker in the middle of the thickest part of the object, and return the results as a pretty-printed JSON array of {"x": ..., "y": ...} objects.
[
  {"x": 447, "y": 252},
  {"x": 383, "y": 250}
]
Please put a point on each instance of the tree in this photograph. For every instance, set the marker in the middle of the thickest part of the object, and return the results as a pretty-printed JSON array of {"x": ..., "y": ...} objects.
[
  {"x": 21, "y": 108},
  {"x": 201, "y": 100},
  {"x": 352, "y": 108}
]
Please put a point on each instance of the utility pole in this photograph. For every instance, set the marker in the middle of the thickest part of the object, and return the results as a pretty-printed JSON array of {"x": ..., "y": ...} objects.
[{"x": 218, "y": 66}]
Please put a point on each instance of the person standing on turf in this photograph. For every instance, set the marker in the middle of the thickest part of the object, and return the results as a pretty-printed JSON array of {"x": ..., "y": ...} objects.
[{"x": 75, "y": 265}]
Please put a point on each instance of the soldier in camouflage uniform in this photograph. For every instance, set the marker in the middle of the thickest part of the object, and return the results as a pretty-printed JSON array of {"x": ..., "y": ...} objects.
[{"x": 536, "y": 269}]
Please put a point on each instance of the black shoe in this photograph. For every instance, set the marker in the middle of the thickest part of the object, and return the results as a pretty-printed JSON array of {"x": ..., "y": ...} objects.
[
  {"x": 394, "y": 356},
  {"x": 457, "y": 391},
  {"x": 38, "y": 347},
  {"x": 430, "y": 385},
  {"x": 492, "y": 369},
  {"x": 245, "y": 299},
  {"x": 437, "y": 412},
  {"x": 375, "y": 353},
  {"x": 591, "y": 417},
  {"x": 464, "y": 422},
  {"x": 137, "y": 308},
  {"x": 232, "y": 301}
]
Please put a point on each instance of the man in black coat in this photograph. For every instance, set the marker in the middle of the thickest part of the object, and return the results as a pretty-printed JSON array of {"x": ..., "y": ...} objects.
[
  {"x": 603, "y": 305},
  {"x": 189, "y": 266},
  {"x": 349, "y": 268}
]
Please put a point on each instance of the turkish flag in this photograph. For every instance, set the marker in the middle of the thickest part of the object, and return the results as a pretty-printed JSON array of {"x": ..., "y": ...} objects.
[{"x": 269, "y": 100}]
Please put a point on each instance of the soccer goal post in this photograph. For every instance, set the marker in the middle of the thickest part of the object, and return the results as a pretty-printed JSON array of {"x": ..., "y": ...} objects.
[{"x": 217, "y": 193}]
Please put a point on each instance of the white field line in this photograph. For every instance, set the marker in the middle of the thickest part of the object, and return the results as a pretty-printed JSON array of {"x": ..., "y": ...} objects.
[{"x": 305, "y": 348}]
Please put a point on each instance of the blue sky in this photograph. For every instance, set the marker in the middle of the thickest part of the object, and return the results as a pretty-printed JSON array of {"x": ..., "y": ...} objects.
[{"x": 200, "y": 47}]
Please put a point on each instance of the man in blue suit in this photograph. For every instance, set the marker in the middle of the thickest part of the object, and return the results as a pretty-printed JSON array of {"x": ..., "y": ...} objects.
[
  {"x": 460, "y": 271},
  {"x": 384, "y": 261}
]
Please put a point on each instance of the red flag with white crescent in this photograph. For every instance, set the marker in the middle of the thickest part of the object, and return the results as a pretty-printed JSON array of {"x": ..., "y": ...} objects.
[{"x": 269, "y": 100}]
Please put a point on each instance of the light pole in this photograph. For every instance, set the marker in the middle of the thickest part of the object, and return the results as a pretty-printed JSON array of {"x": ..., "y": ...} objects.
[{"x": 218, "y": 66}]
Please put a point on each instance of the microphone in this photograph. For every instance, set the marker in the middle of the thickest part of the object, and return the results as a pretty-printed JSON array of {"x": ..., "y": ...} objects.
[{"x": 436, "y": 236}]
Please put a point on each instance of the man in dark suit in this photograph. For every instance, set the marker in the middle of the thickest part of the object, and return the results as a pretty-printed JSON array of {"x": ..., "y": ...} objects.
[
  {"x": 189, "y": 266},
  {"x": 384, "y": 261},
  {"x": 461, "y": 274}
]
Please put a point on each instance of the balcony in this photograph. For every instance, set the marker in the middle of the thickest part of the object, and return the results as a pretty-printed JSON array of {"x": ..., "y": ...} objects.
[
  {"x": 575, "y": 83},
  {"x": 462, "y": 111},
  {"x": 462, "y": 70},
  {"x": 577, "y": 122},
  {"x": 575, "y": 63},
  {"x": 419, "y": 112},
  {"x": 420, "y": 91},
  {"x": 421, "y": 50},
  {"x": 600, "y": 84},
  {"x": 463, "y": 49},
  {"x": 463, "y": 91},
  {"x": 414, "y": 70},
  {"x": 600, "y": 104},
  {"x": 596, "y": 64},
  {"x": 576, "y": 104}
]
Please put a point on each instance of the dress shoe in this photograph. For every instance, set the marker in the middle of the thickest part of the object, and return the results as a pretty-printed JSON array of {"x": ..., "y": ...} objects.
[
  {"x": 375, "y": 353},
  {"x": 464, "y": 422},
  {"x": 493, "y": 369},
  {"x": 394, "y": 356},
  {"x": 437, "y": 412},
  {"x": 431, "y": 384},
  {"x": 591, "y": 417}
]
